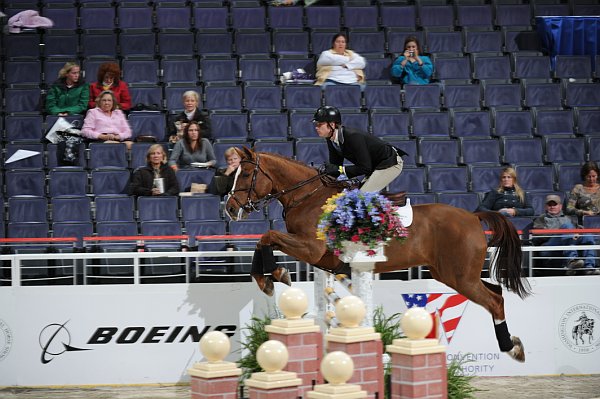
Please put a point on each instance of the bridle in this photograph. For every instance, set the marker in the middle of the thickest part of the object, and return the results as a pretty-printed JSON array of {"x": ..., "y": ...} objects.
[{"x": 256, "y": 205}]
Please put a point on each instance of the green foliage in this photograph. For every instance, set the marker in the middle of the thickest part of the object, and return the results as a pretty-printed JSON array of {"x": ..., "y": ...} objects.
[
  {"x": 254, "y": 338},
  {"x": 459, "y": 384},
  {"x": 388, "y": 327}
]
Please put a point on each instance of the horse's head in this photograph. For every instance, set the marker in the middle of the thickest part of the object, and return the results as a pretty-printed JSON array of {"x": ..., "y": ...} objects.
[{"x": 250, "y": 187}]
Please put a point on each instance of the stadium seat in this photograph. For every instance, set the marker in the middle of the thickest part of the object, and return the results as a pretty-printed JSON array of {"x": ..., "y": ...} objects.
[
  {"x": 522, "y": 151},
  {"x": 475, "y": 150},
  {"x": 422, "y": 96},
  {"x": 161, "y": 207},
  {"x": 437, "y": 151},
  {"x": 114, "y": 208},
  {"x": 466, "y": 201},
  {"x": 110, "y": 181},
  {"x": 67, "y": 181},
  {"x": 27, "y": 208},
  {"x": 186, "y": 177},
  {"x": 559, "y": 149},
  {"x": 71, "y": 209},
  {"x": 107, "y": 155},
  {"x": 426, "y": 123},
  {"x": 447, "y": 178},
  {"x": 470, "y": 123},
  {"x": 268, "y": 125},
  {"x": 201, "y": 207},
  {"x": 512, "y": 123},
  {"x": 390, "y": 124}
]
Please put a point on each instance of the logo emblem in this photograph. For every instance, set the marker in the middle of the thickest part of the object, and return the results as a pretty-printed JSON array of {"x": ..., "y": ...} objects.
[
  {"x": 55, "y": 340},
  {"x": 6, "y": 339},
  {"x": 578, "y": 328}
]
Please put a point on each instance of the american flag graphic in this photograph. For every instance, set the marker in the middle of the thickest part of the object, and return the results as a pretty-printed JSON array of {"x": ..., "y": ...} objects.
[{"x": 449, "y": 307}]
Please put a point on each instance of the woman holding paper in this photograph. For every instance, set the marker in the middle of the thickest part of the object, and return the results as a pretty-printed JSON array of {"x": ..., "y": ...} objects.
[{"x": 193, "y": 149}]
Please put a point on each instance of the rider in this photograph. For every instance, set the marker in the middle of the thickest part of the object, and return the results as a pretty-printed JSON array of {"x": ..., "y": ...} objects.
[{"x": 378, "y": 161}]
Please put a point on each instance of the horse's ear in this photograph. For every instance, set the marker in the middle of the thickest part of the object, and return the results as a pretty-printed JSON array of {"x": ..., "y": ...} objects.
[{"x": 248, "y": 153}]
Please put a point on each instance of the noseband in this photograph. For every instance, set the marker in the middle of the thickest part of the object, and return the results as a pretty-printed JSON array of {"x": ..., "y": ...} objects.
[{"x": 260, "y": 203}]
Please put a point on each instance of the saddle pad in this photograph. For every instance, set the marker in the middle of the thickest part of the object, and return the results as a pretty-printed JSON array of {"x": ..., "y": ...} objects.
[{"x": 405, "y": 213}]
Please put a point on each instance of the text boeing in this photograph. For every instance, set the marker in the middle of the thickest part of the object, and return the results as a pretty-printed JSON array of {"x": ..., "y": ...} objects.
[{"x": 155, "y": 335}]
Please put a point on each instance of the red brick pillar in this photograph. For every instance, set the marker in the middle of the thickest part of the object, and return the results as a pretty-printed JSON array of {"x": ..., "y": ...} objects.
[
  {"x": 304, "y": 342},
  {"x": 214, "y": 380},
  {"x": 365, "y": 348},
  {"x": 418, "y": 369}
]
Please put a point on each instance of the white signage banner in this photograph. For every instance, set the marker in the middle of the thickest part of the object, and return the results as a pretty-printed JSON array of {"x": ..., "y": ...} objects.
[{"x": 77, "y": 335}]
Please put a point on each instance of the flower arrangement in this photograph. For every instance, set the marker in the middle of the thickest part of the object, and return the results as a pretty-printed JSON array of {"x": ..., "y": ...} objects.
[{"x": 367, "y": 218}]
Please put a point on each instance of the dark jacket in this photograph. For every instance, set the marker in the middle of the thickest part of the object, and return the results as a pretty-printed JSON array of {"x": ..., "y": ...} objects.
[
  {"x": 367, "y": 153},
  {"x": 199, "y": 116},
  {"x": 73, "y": 100},
  {"x": 221, "y": 184},
  {"x": 143, "y": 179},
  {"x": 494, "y": 201},
  {"x": 547, "y": 221}
]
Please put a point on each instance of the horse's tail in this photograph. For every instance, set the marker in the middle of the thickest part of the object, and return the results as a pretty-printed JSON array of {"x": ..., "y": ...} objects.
[{"x": 506, "y": 261}]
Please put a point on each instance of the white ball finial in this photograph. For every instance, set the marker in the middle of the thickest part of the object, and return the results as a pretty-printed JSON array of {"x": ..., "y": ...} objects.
[
  {"x": 416, "y": 323},
  {"x": 215, "y": 346},
  {"x": 350, "y": 311},
  {"x": 272, "y": 356},
  {"x": 293, "y": 303},
  {"x": 337, "y": 367}
]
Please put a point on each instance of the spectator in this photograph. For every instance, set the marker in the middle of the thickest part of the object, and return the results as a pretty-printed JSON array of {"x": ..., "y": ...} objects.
[
  {"x": 106, "y": 122},
  {"x": 190, "y": 112},
  {"x": 584, "y": 199},
  {"x": 377, "y": 160},
  {"x": 192, "y": 148},
  {"x": 108, "y": 79},
  {"x": 340, "y": 65},
  {"x": 69, "y": 94},
  {"x": 222, "y": 182},
  {"x": 156, "y": 178},
  {"x": 412, "y": 67},
  {"x": 509, "y": 198},
  {"x": 554, "y": 219}
]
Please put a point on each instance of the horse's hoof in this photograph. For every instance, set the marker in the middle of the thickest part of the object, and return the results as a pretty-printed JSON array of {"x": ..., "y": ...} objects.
[
  {"x": 269, "y": 287},
  {"x": 518, "y": 351},
  {"x": 282, "y": 275}
]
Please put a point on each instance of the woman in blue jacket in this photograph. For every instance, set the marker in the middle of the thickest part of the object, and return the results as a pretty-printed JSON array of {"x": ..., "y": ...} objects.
[{"x": 412, "y": 67}]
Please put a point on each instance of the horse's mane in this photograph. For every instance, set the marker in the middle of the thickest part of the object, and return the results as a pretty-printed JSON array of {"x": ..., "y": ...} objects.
[{"x": 284, "y": 158}]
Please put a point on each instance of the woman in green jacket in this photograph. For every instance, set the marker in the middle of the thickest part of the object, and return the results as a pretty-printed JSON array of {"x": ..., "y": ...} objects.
[{"x": 69, "y": 94}]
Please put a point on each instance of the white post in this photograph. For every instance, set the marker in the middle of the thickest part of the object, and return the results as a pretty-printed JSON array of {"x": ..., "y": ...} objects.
[{"x": 323, "y": 280}]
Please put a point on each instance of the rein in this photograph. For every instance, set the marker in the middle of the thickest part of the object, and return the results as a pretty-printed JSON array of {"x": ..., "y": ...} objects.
[{"x": 255, "y": 206}]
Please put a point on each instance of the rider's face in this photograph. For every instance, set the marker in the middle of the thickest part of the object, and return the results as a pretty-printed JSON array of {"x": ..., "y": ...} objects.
[{"x": 323, "y": 129}]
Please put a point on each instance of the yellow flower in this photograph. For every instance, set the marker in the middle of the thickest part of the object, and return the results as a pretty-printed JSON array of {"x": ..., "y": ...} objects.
[{"x": 320, "y": 235}]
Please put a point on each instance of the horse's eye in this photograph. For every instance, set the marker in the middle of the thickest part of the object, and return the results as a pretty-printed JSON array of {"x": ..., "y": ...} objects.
[{"x": 244, "y": 174}]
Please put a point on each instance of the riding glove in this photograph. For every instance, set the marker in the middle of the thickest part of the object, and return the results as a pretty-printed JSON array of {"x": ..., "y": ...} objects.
[{"x": 330, "y": 169}]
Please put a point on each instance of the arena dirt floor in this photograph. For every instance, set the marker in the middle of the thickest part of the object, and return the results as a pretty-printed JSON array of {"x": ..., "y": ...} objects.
[{"x": 559, "y": 387}]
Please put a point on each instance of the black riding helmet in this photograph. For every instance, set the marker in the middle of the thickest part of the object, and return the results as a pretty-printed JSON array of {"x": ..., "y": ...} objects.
[{"x": 327, "y": 114}]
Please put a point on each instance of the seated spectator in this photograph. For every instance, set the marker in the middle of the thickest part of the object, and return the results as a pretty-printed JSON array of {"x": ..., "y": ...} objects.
[
  {"x": 412, "y": 67},
  {"x": 192, "y": 148},
  {"x": 190, "y": 112},
  {"x": 340, "y": 65},
  {"x": 156, "y": 178},
  {"x": 554, "y": 219},
  {"x": 584, "y": 199},
  {"x": 108, "y": 79},
  {"x": 106, "y": 122},
  {"x": 222, "y": 182},
  {"x": 509, "y": 198},
  {"x": 69, "y": 94}
]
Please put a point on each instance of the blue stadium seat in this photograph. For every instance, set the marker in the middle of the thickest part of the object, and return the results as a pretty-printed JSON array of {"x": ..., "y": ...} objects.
[
  {"x": 114, "y": 208},
  {"x": 356, "y": 120},
  {"x": 366, "y": 42},
  {"x": 512, "y": 123},
  {"x": 383, "y": 97},
  {"x": 27, "y": 230},
  {"x": 64, "y": 16},
  {"x": 301, "y": 124},
  {"x": 422, "y": 96},
  {"x": 222, "y": 97},
  {"x": 262, "y": 97},
  {"x": 290, "y": 17},
  {"x": 462, "y": 95},
  {"x": 107, "y": 155},
  {"x": 411, "y": 180},
  {"x": 466, "y": 201},
  {"x": 110, "y": 181},
  {"x": 27, "y": 208},
  {"x": 71, "y": 209},
  {"x": 302, "y": 97},
  {"x": 229, "y": 125},
  {"x": 567, "y": 175},
  {"x": 591, "y": 222},
  {"x": 160, "y": 207},
  {"x": 59, "y": 44},
  {"x": 36, "y": 160},
  {"x": 201, "y": 207},
  {"x": 483, "y": 178},
  {"x": 572, "y": 67},
  {"x": 97, "y": 16},
  {"x": 419, "y": 199},
  {"x": 588, "y": 121},
  {"x": 290, "y": 42},
  {"x": 478, "y": 16},
  {"x": 135, "y": 43},
  {"x": 186, "y": 177},
  {"x": 247, "y": 17},
  {"x": 360, "y": 16},
  {"x": 475, "y": 150},
  {"x": 72, "y": 229},
  {"x": 582, "y": 95},
  {"x": 390, "y": 124},
  {"x": 513, "y": 15},
  {"x": 22, "y": 100},
  {"x": 179, "y": 71},
  {"x": 409, "y": 147},
  {"x": 542, "y": 95},
  {"x": 343, "y": 96},
  {"x": 447, "y": 178},
  {"x": 284, "y": 148},
  {"x": 535, "y": 178},
  {"x": 522, "y": 41},
  {"x": 135, "y": 15},
  {"x": 532, "y": 67},
  {"x": 397, "y": 36},
  {"x": 444, "y": 42},
  {"x": 434, "y": 123},
  {"x": 210, "y": 17},
  {"x": 559, "y": 149},
  {"x": 67, "y": 181},
  {"x": 522, "y": 151},
  {"x": 23, "y": 128},
  {"x": 100, "y": 44},
  {"x": 491, "y": 67},
  {"x": 377, "y": 69},
  {"x": 470, "y": 123},
  {"x": 25, "y": 182},
  {"x": 140, "y": 71},
  {"x": 255, "y": 41},
  {"x": 196, "y": 228},
  {"x": 148, "y": 124},
  {"x": 437, "y": 151},
  {"x": 398, "y": 16},
  {"x": 325, "y": 17},
  {"x": 257, "y": 69},
  {"x": 218, "y": 69},
  {"x": 244, "y": 227},
  {"x": 436, "y": 16},
  {"x": 452, "y": 69},
  {"x": 552, "y": 122},
  {"x": 549, "y": 9},
  {"x": 483, "y": 42},
  {"x": 311, "y": 152},
  {"x": 502, "y": 96},
  {"x": 176, "y": 43},
  {"x": 139, "y": 153},
  {"x": 219, "y": 43},
  {"x": 268, "y": 125},
  {"x": 173, "y": 16},
  {"x": 23, "y": 46},
  {"x": 23, "y": 72}
]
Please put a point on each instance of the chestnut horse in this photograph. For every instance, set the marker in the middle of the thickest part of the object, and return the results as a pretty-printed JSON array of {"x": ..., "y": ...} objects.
[{"x": 451, "y": 241}]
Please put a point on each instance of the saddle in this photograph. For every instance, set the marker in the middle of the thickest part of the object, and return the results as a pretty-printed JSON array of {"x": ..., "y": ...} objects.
[{"x": 397, "y": 199}]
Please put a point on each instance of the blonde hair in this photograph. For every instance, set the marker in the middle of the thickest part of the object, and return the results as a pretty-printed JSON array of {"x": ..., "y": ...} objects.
[
  {"x": 67, "y": 68},
  {"x": 191, "y": 93},
  {"x": 518, "y": 190},
  {"x": 115, "y": 102},
  {"x": 155, "y": 147},
  {"x": 229, "y": 152}
]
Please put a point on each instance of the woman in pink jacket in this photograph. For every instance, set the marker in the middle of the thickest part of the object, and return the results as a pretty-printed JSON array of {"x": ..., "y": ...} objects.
[{"x": 106, "y": 122}]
